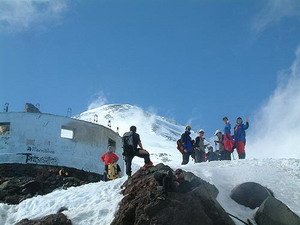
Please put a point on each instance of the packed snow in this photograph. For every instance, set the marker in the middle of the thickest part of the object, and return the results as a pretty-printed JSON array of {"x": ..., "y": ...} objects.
[{"x": 97, "y": 203}]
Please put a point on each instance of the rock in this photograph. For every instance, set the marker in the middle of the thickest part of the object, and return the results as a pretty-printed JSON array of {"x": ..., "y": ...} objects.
[
  {"x": 250, "y": 194},
  {"x": 22, "y": 181},
  {"x": 274, "y": 212},
  {"x": 31, "y": 187},
  {"x": 31, "y": 108},
  {"x": 53, "y": 219},
  {"x": 144, "y": 205}
]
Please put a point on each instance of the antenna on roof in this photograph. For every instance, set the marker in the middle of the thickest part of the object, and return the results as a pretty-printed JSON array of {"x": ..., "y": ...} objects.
[
  {"x": 69, "y": 112},
  {"x": 5, "y": 109},
  {"x": 95, "y": 118}
]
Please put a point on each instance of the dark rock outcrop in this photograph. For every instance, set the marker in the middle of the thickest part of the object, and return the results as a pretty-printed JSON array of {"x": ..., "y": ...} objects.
[
  {"x": 22, "y": 181},
  {"x": 250, "y": 194},
  {"x": 31, "y": 108},
  {"x": 274, "y": 212},
  {"x": 53, "y": 219},
  {"x": 144, "y": 205}
]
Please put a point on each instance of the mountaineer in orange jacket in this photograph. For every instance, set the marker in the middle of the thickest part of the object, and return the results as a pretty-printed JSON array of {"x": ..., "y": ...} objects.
[{"x": 107, "y": 158}]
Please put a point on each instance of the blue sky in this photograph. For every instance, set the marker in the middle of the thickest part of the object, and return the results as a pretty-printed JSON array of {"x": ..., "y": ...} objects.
[{"x": 194, "y": 61}]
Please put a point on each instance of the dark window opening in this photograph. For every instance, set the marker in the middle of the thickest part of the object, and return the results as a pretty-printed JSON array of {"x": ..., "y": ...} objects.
[
  {"x": 112, "y": 143},
  {"x": 4, "y": 128}
]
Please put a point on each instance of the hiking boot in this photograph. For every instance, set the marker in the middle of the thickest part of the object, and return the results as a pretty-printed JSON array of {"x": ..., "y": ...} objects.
[{"x": 148, "y": 165}]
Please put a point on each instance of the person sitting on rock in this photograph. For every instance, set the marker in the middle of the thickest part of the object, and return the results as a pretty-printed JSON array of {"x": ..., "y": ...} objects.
[{"x": 171, "y": 183}]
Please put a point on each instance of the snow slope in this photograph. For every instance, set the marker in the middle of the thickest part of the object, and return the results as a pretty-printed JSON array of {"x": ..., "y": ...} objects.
[{"x": 97, "y": 203}]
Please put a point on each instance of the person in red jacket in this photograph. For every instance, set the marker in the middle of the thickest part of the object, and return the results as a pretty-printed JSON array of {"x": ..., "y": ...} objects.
[{"x": 107, "y": 158}]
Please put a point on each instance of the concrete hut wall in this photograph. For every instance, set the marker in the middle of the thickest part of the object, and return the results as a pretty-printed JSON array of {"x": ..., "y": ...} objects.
[{"x": 36, "y": 138}]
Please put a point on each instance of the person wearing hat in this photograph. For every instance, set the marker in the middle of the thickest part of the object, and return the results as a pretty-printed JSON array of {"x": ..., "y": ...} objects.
[
  {"x": 240, "y": 136},
  {"x": 223, "y": 154},
  {"x": 200, "y": 147},
  {"x": 187, "y": 144}
]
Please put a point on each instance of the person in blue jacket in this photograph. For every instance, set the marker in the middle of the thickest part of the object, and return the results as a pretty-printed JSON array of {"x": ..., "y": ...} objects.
[
  {"x": 187, "y": 144},
  {"x": 240, "y": 136},
  {"x": 227, "y": 127},
  {"x": 227, "y": 140}
]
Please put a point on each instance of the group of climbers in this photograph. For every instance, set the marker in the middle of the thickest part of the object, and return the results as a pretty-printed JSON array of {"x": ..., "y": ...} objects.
[
  {"x": 226, "y": 142},
  {"x": 132, "y": 146}
]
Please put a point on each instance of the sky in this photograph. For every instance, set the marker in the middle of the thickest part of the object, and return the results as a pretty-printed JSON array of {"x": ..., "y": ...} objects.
[{"x": 194, "y": 61}]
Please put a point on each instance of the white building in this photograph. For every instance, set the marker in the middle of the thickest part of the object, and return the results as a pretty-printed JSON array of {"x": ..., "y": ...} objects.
[{"x": 38, "y": 138}]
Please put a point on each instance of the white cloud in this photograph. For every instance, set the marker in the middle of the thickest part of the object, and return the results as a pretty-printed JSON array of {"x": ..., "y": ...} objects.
[
  {"x": 97, "y": 100},
  {"x": 274, "y": 12},
  {"x": 276, "y": 129},
  {"x": 21, "y": 15}
]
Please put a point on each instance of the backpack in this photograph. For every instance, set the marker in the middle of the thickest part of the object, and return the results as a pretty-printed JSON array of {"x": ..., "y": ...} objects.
[
  {"x": 128, "y": 147},
  {"x": 228, "y": 142},
  {"x": 112, "y": 172},
  {"x": 179, "y": 145}
]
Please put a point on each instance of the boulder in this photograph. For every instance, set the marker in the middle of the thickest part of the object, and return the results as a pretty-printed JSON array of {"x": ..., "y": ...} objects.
[
  {"x": 143, "y": 204},
  {"x": 274, "y": 212},
  {"x": 53, "y": 219},
  {"x": 250, "y": 194}
]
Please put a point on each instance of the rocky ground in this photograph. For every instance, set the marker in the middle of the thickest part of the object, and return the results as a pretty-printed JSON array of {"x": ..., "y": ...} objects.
[
  {"x": 22, "y": 181},
  {"x": 144, "y": 205}
]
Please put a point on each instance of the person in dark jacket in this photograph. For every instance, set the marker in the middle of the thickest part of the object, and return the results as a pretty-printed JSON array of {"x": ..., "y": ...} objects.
[
  {"x": 240, "y": 136},
  {"x": 138, "y": 151},
  {"x": 187, "y": 144},
  {"x": 173, "y": 183},
  {"x": 199, "y": 147}
]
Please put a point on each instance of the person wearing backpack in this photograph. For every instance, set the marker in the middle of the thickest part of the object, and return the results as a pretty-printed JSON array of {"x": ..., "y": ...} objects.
[
  {"x": 228, "y": 141},
  {"x": 110, "y": 158},
  {"x": 223, "y": 153},
  {"x": 187, "y": 144},
  {"x": 132, "y": 146},
  {"x": 199, "y": 147},
  {"x": 240, "y": 136}
]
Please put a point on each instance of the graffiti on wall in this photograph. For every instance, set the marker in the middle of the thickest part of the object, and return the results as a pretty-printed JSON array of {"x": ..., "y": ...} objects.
[
  {"x": 47, "y": 160},
  {"x": 35, "y": 149}
]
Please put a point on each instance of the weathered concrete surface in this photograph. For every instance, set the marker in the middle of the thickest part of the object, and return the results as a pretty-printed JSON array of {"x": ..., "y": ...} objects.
[
  {"x": 45, "y": 139},
  {"x": 22, "y": 181},
  {"x": 274, "y": 212}
]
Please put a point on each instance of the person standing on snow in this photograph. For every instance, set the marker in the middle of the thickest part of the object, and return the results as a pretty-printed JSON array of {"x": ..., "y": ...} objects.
[
  {"x": 107, "y": 158},
  {"x": 240, "y": 136},
  {"x": 135, "y": 151},
  {"x": 199, "y": 147},
  {"x": 221, "y": 149},
  {"x": 187, "y": 144},
  {"x": 228, "y": 141}
]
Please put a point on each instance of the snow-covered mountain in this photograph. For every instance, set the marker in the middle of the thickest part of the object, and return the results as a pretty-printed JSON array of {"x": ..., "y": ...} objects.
[
  {"x": 158, "y": 134},
  {"x": 97, "y": 203}
]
